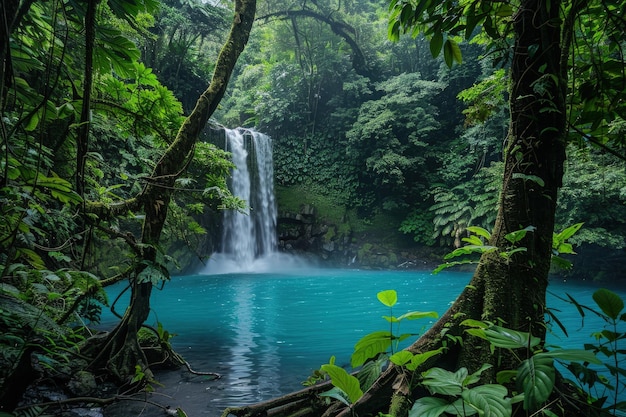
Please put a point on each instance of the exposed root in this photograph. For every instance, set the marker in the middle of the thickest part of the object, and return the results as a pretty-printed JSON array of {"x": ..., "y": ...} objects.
[
  {"x": 216, "y": 375},
  {"x": 303, "y": 403}
]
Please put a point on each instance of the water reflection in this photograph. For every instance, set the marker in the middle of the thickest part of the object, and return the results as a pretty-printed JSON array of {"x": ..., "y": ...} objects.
[{"x": 253, "y": 352}]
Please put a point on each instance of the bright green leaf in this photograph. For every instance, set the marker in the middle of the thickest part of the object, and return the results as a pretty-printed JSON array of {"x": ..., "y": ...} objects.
[
  {"x": 505, "y": 338},
  {"x": 415, "y": 315},
  {"x": 441, "y": 381},
  {"x": 344, "y": 381},
  {"x": 369, "y": 346},
  {"x": 401, "y": 358},
  {"x": 573, "y": 355},
  {"x": 388, "y": 297},
  {"x": 420, "y": 358}
]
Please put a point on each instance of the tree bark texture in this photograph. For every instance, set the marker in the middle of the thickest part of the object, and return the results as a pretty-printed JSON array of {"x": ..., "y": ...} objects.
[
  {"x": 508, "y": 291},
  {"x": 122, "y": 351}
]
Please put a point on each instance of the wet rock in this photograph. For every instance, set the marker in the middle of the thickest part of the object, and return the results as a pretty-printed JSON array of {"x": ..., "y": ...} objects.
[{"x": 83, "y": 383}]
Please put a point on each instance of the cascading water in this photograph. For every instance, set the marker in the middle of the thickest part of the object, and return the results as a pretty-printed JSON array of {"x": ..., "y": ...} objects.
[
  {"x": 249, "y": 237},
  {"x": 250, "y": 234}
]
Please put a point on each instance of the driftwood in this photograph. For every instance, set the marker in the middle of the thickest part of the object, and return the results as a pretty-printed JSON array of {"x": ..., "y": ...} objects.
[{"x": 305, "y": 402}]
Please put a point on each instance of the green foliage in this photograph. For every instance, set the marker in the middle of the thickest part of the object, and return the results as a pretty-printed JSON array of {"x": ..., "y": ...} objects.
[
  {"x": 471, "y": 203},
  {"x": 344, "y": 381},
  {"x": 371, "y": 352},
  {"x": 602, "y": 389},
  {"x": 376, "y": 343},
  {"x": 485, "y": 98},
  {"x": 391, "y": 135},
  {"x": 444, "y": 22},
  {"x": 464, "y": 394},
  {"x": 488, "y": 399},
  {"x": 476, "y": 243},
  {"x": 535, "y": 377},
  {"x": 420, "y": 225},
  {"x": 593, "y": 191}
]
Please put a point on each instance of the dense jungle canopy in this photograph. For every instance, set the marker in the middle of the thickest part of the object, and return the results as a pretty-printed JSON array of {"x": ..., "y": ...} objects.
[{"x": 108, "y": 171}]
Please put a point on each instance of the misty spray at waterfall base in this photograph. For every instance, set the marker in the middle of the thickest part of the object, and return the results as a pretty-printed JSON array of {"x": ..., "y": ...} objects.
[{"x": 249, "y": 238}]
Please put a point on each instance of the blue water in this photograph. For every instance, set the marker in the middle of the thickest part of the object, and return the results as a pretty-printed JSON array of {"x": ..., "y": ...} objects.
[{"x": 265, "y": 333}]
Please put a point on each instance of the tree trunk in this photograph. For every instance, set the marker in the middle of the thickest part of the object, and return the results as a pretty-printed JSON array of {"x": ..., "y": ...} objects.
[
  {"x": 512, "y": 290},
  {"x": 122, "y": 352}
]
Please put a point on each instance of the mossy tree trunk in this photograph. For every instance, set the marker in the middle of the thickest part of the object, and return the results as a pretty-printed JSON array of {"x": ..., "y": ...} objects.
[
  {"x": 121, "y": 352},
  {"x": 512, "y": 290}
]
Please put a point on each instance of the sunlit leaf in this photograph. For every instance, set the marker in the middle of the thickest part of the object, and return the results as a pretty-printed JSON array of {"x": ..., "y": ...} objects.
[
  {"x": 388, "y": 297},
  {"x": 369, "y": 346},
  {"x": 344, "y": 381}
]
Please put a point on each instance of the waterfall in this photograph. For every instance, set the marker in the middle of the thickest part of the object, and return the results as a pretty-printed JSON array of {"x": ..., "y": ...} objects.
[{"x": 248, "y": 236}]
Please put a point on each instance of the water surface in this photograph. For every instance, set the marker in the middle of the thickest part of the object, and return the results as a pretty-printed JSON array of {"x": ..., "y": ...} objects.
[{"x": 265, "y": 333}]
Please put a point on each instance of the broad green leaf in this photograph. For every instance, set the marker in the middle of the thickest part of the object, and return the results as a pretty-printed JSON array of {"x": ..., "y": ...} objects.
[
  {"x": 429, "y": 407},
  {"x": 479, "y": 231},
  {"x": 473, "y": 240},
  {"x": 401, "y": 358},
  {"x": 566, "y": 248},
  {"x": 370, "y": 372},
  {"x": 475, "y": 323},
  {"x": 452, "y": 53},
  {"x": 468, "y": 249},
  {"x": 415, "y": 315},
  {"x": 115, "y": 52},
  {"x": 344, "y": 381},
  {"x": 388, "y": 297},
  {"x": 33, "y": 122},
  {"x": 420, "y": 358},
  {"x": 609, "y": 302},
  {"x": 536, "y": 380},
  {"x": 567, "y": 232},
  {"x": 436, "y": 42},
  {"x": 505, "y": 338},
  {"x": 369, "y": 346},
  {"x": 518, "y": 235},
  {"x": 489, "y": 400},
  {"x": 573, "y": 355},
  {"x": 338, "y": 394},
  {"x": 440, "y": 381}
]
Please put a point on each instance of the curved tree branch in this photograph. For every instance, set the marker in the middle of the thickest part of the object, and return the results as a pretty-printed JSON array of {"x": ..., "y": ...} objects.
[{"x": 340, "y": 29}]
